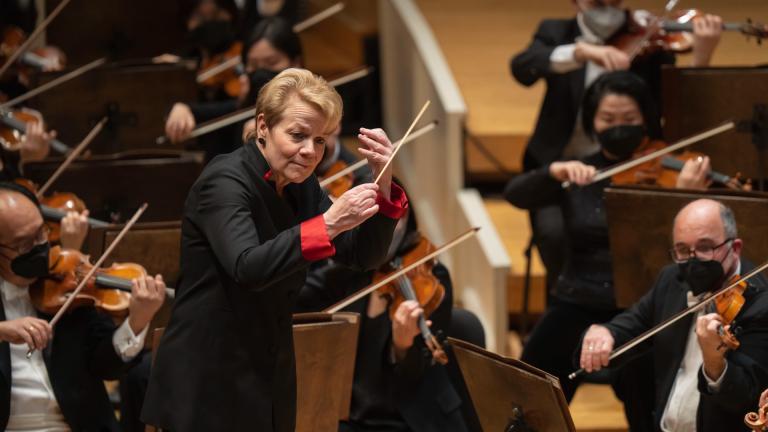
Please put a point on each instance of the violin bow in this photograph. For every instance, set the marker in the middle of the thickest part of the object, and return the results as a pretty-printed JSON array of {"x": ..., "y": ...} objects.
[
  {"x": 676, "y": 317},
  {"x": 72, "y": 156},
  {"x": 297, "y": 28},
  {"x": 363, "y": 162},
  {"x": 33, "y": 36},
  {"x": 53, "y": 83},
  {"x": 402, "y": 141},
  {"x": 371, "y": 288},
  {"x": 607, "y": 173},
  {"x": 95, "y": 268},
  {"x": 246, "y": 113}
]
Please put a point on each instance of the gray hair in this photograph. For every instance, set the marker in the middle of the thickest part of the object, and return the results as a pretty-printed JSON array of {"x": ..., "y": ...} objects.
[{"x": 729, "y": 221}]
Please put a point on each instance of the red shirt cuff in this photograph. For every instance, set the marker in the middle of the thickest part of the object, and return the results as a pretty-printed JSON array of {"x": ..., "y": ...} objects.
[
  {"x": 315, "y": 242},
  {"x": 397, "y": 204}
]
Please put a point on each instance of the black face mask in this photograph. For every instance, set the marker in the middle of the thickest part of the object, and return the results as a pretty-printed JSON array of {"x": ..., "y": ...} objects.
[
  {"x": 622, "y": 141},
  {"x": 33, "y": 264},
  {"x": 702, "y": 276},
  {"x": 213, "y": 36},
  {"x": 258, "y": 79}
]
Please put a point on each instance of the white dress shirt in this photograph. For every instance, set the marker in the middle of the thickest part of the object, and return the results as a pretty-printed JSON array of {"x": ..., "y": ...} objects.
[
  {"x": 683, "y": 401},
  {"x": 33, "y": 403}
]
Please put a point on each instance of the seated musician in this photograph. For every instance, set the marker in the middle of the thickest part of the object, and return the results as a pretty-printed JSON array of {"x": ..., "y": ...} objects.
[
  {"x": 35, "y": 146},
  {"x": 699, "y": 385},
  {"x": 271, "y": 47},
  {"x": 396, "y": 387},
  {"x": 619, "y": 114},
  {"x": 60, "y": 387},
  {"x": 569, "y": 54}
]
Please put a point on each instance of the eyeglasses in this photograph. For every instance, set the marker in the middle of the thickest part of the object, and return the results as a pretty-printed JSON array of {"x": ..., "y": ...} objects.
[
  {"x": 683, "y": 253},
  {"x": 26, "y": 245}
]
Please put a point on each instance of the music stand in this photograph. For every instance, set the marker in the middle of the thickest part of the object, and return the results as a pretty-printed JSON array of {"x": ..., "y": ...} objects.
[
  {"x": 509, "y": 395},
  {"x": 640, "y": 221},
  {"x": 695, "y": 99},
  {"x": 326, "y": 347}
]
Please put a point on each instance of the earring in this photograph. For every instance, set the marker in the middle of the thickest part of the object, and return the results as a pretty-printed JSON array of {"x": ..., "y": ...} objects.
[{"x": 262, "y": 141}]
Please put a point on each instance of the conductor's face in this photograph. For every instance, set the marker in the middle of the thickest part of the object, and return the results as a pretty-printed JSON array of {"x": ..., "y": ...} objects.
[{"x": 294, "y": 145}]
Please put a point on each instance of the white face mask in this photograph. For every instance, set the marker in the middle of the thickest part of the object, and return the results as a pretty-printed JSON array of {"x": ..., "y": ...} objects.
[{"x": 604, "y": 21}]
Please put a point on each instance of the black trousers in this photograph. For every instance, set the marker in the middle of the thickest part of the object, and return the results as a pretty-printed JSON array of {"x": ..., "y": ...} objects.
[
  {"x": 552, "y": 347},
  {"x": 548, "y": 230},
  {"x": 133, "y": 386}
]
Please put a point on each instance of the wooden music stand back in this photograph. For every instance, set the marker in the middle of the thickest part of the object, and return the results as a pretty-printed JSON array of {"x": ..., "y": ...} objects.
[
  {"x": 640, "y": 221},
  {"x": 509, "y": 395},
  {"x": 326, "y": 347}
]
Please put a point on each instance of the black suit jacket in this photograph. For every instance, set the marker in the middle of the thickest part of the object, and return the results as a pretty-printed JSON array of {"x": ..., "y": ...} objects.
[
  {"x": 562, "y": 100},
  {"x": 226, "y": 361},
  {"x": 747, "y": 373},
  {"x": 80, "y": 357}
]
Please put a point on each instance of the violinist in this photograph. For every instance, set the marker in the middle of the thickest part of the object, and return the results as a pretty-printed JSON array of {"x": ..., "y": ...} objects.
[
  {"x": 397, "y": 386},
  {"x": 60, "y": 388},
  {"x": 253, "y": 223},
  {"x": 270, "y": 48},
  {"x": 699, "y": 384},
  {"x": 618, "y": 114},
  {"x": 569, "y": 54}
]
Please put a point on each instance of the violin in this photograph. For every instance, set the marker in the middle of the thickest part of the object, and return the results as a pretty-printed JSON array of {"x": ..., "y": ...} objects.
[
  {"x": 13, "y": 127},
  {"x": 222, "y": 71},
  {"x": 758, "y": 421},
  {"x": 419, "y": 285},
  {"x": 647, "y": 34},
  {"x": 55, "y": 206},
  {"x": 108, "y": 290},
  {"x": 47, "y": 58},
  {"x": 337, "y": 187},
  {"x": 665, "y": 171},
  {"x": 728, "y": 306}
]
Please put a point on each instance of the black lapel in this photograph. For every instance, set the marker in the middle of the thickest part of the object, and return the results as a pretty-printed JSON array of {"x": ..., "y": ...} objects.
[{"x": 281, "y": 213}]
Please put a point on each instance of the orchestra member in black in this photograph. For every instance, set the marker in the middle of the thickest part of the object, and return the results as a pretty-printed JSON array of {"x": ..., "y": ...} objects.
[
  {"x": 397, "y": 386},
  {"x": 619, "y": 115},
  {"x": 253, "y": 223},
  {"x": 569, "y": 54},
  {"x": 60, "y": 387},
  {"x": 699, "y": 385}
]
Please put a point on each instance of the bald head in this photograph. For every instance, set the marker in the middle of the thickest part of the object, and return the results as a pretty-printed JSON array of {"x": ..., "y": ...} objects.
[
  {"x": 19, "y": 217},
  {"x": 707, "y": 223}
]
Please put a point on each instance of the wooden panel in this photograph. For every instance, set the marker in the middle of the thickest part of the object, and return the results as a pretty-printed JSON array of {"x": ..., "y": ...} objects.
[{"x": 640, "y": 226}]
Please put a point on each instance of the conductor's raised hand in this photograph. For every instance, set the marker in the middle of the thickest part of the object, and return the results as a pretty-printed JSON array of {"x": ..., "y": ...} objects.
[
  {"x": 351, "y": 209},
  {"x": 378, "y": 149}
]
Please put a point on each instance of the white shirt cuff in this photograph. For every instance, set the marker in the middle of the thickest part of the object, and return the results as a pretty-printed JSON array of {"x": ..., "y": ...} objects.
[
  {"x": 128, "y": 345},
  {"x": 714, "y": 385},
  {"x": 562, "y": 59}
]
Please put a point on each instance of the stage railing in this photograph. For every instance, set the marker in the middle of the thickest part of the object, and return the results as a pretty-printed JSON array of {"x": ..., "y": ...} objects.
[{"x": 414, "y": 70}]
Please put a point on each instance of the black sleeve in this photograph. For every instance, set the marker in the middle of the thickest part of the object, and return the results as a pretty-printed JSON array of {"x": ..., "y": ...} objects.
[
  {"x": 746, "y": 376},
  {"x": 534, "y": 189},
  {"x": 205, "y": 111},
  {"x": 224, "y": 216},
  {"x": 638, "y": 318},
  {"x": 103, "y": 361},
  {"x": 533, "y": 63}
]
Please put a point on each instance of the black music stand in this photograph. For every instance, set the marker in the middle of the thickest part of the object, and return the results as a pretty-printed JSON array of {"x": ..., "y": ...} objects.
[
  {"x": 695, "y": 99},
  {"x": 640, "y": 221},
  {"x": 509, "y": 395}
]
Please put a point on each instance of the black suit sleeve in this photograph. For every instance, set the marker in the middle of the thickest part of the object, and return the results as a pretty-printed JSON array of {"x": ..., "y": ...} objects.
[
  {"x": 533, "y": 63},
  {"x": 746, "y": 376},
  {"x": 103, "y": 361},
  {"x": 223, "y": 214},
  {"x": 637, "y": 319},
  {"x": 534, "y": 189}
]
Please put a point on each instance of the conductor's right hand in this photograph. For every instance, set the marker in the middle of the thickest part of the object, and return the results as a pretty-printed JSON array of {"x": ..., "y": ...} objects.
[
  {"x": 351, "y": 209},
  {"x": 596, "y": 348},
  {"x": 575, "y": 172},
  {"x": 180, "y": 123}
]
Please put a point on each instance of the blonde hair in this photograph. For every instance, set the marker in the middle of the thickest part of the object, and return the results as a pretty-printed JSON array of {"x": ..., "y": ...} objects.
[{"x": 275, "y": 96}]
